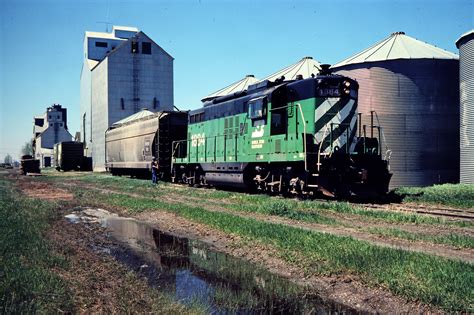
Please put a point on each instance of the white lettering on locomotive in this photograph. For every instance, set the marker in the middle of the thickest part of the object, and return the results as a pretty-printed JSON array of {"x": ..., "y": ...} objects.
[
  {"x": 257, "y": 144},
  {"x": 198, "y": 139}
]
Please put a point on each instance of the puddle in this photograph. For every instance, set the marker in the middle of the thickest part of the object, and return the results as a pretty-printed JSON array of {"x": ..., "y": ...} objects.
[
  {"x": 91, "y": 215},
  {"x": 193, "y": 273},
  {"x": 73, "y": 218}
]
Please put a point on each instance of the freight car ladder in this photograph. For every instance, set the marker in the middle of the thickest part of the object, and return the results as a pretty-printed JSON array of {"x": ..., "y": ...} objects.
[
  {"x": 164, "y": 144},
  {"x": 135, "y": 77}
]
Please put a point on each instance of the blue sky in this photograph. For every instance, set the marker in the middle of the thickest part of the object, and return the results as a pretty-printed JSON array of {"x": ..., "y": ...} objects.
[{"x": 214, "y": 43}]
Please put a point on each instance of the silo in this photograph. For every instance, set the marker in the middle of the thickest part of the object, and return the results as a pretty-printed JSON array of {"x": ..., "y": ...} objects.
[
  {"x": 413, "y": 88},
  {"x": 466, "y": 88}
]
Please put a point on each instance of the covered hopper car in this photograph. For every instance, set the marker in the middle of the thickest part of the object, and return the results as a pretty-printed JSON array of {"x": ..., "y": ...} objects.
[
  {"x": 297, "y": 136},
  {"x": 131, "y": 144}
]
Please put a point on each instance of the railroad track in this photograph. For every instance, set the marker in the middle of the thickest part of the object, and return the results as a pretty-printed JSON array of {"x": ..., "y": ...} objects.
[
  {"x": 451, "y": 213},
  {"x": 462, "y": 214}
]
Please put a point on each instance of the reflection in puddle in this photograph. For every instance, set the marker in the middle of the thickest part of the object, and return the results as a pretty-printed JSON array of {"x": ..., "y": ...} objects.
[{"x": 195, "y": 274}]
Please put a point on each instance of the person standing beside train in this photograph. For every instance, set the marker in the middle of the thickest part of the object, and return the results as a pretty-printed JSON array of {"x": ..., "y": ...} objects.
[{"x": 154, "y": 171}]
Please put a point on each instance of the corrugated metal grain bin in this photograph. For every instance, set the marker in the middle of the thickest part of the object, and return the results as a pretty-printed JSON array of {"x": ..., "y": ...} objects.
[
  {"x": 466, "y": 88},
  {"x": 412, "y": 86}
]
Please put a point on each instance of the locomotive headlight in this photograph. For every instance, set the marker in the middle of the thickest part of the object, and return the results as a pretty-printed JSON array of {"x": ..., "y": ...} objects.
[{"x": 346, "y": 87}]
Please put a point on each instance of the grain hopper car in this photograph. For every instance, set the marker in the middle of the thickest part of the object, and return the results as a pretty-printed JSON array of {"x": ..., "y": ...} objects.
[{"x": 131, "y": 144}]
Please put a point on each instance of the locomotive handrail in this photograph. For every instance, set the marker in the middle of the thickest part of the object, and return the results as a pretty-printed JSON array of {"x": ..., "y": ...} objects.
[
  {"x": 175, "y": 146},
  {"x": 319, "y": 149},
  {"x": 189, "y": 145},
  {"x": 388, "y": 152},
  {"x": 304, "y": 137},
  {"x": 188, "y": 141}
]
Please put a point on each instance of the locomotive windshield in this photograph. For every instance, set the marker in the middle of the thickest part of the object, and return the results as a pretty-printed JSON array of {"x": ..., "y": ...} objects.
[{"x": 257, "y": 107}]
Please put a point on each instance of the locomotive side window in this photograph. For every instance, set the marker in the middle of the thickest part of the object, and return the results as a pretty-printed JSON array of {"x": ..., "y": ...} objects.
[
  {"x": 257, "y": 108},
  {"x": 196, "y": 118},
  {"x": 279, "y": 121},
  {"x": 279, "y": 113}
]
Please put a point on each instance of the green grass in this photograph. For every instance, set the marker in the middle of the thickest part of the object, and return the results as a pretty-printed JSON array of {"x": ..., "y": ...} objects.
[
  {"x": 309, "y": 210},
  {"x": 28, "y": 283},
  {"x": 454, "y": 195},
  {"x": 456, "y": 240},
  {"x": 282, "y": 208},
  {"x": 429, "y": 279},
  {"x": 312, "y": 211},
  {"x": 303, "y": 211}
]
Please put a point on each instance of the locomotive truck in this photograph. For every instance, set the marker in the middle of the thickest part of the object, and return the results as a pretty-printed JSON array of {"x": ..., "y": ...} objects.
[{"x": 298, "y": 136}]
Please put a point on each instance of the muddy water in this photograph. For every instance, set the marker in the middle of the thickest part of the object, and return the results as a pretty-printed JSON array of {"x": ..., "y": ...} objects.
[{"x": 195, "y": 274}]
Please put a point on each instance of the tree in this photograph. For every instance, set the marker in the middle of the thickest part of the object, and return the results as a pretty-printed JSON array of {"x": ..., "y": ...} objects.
[
  {"x": 8, "y": 159},
  {"x": 27, "y": 149}
]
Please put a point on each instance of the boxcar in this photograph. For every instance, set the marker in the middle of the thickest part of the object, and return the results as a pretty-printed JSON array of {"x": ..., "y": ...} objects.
[
  {"x": 69, "y": 155},
  {"x": 28, "y": 164}
]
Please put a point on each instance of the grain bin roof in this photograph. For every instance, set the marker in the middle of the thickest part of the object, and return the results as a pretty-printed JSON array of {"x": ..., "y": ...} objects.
[
  {"x": 305, "y": 67},
  {"x": 238, "y": 86},
  {"x": 398, "y": 46},
  {"x": 470, "y": 33}
]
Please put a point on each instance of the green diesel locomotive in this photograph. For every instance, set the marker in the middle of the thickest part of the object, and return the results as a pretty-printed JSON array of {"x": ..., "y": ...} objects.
[{"x": 297, "y": 136}]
